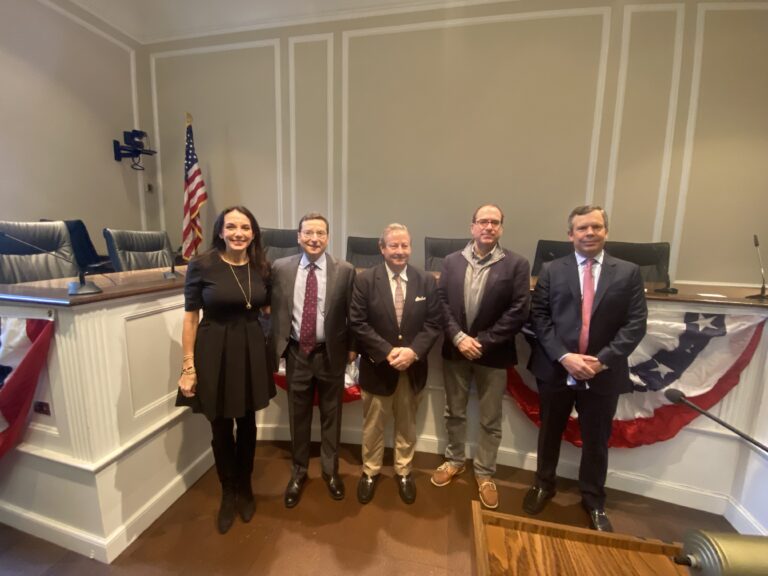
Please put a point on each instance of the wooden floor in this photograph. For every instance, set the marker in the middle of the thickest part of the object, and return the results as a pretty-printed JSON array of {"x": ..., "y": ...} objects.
[{"x": 321, "y": 536}]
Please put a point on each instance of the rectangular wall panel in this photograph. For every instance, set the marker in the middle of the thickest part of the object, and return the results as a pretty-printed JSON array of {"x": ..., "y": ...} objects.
[
  {"x": 726, "y": 194},
  {"x": 638, "y": 151},
  {"x": 231, "y": 96}
]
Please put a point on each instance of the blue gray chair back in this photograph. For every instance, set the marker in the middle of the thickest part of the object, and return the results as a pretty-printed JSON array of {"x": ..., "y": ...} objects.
[
  {"x": 279, "y": 242},
  {"x": 363, "y": 252},
  {"x": 21, "y": 263},
  {"x": 436, "y": 249},
  {"x": 138, "y": 250}
]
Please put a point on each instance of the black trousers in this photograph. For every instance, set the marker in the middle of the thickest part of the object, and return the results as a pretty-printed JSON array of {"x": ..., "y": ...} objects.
[
  {"x": 234, "y": 452},
  {"x": 596, "y": 412},
  {"x": 307, "y": 375}
]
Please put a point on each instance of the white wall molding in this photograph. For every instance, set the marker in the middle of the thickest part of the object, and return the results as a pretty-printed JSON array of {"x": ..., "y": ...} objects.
[
  {"x": 292, "y": 41},
  {"x": 602, "y": 12}
]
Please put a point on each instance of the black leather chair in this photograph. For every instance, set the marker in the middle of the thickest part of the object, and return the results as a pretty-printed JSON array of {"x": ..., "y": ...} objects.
[
  {"x": 652, "y": 257},
  {"x": 436, "y": 249},
  {"x": 548, "y": 250},
  {"x": 279, "y": 242},
  {"x": 363, "y": 252},
  {"x": 138, "y": 250},
  {"x": 22, "y": 263}
]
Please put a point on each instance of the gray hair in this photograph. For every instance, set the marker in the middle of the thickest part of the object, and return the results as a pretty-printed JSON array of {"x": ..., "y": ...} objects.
[{"x": 394, "y": 227}]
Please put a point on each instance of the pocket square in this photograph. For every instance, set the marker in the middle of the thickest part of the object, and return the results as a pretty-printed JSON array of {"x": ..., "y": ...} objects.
[{"x": 420, "y": 298}]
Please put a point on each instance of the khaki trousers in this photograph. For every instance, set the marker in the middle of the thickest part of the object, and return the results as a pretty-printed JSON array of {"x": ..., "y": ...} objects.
[{"x": 403, "y": 405}]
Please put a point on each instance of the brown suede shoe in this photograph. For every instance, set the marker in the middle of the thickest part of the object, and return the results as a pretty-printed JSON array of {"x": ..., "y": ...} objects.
[
  {"x": 445, "y": 473},
  {"x": 489, "y": 495}
]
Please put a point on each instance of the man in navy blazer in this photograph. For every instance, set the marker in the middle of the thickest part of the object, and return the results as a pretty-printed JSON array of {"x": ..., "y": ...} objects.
[
  {"x": 580, "y": 356},
  {"x": 484, "y": 291},
  {"x": 395, "y": 318}
]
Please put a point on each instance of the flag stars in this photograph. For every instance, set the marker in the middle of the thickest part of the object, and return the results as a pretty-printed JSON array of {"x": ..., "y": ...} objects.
[
  {"x": 661, "y": 369},
  {"x": 705, "y": 322}
]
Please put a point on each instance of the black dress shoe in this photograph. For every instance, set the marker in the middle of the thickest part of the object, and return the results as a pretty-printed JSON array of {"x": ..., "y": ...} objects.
[
  {"x": 536, "y": 499},
  {"x": 226, "y": 515},
  {"x": 407, "y": 488},
  {"x": 366, "y": 487},
  {"x": 335, "y": 485},
  {"x": 293, "y": 491},
  {"x": 599, "y": 520}
]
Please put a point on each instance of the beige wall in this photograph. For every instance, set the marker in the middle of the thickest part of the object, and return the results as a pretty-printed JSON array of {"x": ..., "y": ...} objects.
[
  {"x": 656, "y": 110},
  {"x": 67, "y": 93}
]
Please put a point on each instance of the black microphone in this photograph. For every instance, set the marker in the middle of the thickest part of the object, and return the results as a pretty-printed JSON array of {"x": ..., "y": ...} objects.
[
  {"x": 677, "y": 397},
  {"x": 760, "y": 296},
  {"x": 172, "y": 274},
  {"x": 73, "y": 288}
]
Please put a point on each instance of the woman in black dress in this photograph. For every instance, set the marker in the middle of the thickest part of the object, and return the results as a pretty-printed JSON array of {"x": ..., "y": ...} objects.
[{"x": 226, "y": 374}]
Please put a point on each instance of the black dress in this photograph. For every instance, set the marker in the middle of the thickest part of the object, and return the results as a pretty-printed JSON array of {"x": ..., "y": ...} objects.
[{"x": 234, "y": 373}]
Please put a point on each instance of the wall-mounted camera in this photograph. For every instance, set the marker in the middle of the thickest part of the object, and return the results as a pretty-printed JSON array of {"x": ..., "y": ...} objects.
[{"x": 136, "y": 145}]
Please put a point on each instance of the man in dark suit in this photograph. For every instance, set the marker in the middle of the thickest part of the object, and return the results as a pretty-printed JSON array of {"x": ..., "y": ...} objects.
[
  {"x": 311, "y": 293},
  {"x": 589, "y": 314},
  {"x": 395, "y": 317},
  {"x": 484, "y": 291}
]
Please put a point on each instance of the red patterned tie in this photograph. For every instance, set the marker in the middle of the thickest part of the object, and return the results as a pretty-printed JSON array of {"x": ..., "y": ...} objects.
[
  {"x": 587, "y": 298},
  {"x": 308, "y": 333}
]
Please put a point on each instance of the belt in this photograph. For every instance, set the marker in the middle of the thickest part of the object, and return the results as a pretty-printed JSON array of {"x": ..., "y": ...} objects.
[{"x": 319, "y": 347}]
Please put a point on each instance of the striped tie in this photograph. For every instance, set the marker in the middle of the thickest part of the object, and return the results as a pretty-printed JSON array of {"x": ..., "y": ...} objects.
[{"x": 399, "y": 298}]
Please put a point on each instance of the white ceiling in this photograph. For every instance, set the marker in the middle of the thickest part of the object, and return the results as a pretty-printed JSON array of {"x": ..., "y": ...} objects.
[{"x": 156, "y": 20}]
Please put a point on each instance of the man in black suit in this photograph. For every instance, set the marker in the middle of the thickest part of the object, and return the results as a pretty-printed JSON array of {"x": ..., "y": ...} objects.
[
  {"x": 395, "y": 317},
  {"x": 484, "y": 292},
  {"x": 311, "y": 293},
  {"x": 589, "y": 314}
]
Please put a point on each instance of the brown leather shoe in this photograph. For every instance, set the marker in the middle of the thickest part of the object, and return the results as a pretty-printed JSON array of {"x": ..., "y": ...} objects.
[
  {"x": 489, "y": 495},
  {"x": 445, "y": 473}
]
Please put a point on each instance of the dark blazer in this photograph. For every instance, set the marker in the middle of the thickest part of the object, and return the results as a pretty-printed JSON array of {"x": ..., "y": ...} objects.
[
  {"x": 502, "y": 312},
  {"x": 374, "y": 324},
  {"x": 619, "y": 314},
  {"x": 338, "y": 295}
]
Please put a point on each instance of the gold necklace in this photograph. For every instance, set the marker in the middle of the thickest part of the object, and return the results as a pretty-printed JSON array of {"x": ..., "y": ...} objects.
[{"x": 247, "y": 298}]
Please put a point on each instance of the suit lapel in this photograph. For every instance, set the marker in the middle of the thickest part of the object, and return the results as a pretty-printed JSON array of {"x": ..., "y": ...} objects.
[
  {"x": 411, "y": 291},
  {"x": 384, "y": 292},
  {"x": 572, "y": 274},
  {"x": 606, "y": 277},
  {"x": 293, "y": 271},
  {"x": 330, "y": 281}
]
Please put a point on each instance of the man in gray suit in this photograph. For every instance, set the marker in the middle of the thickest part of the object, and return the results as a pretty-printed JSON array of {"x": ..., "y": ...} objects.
[{"x": 311, "y": 294}]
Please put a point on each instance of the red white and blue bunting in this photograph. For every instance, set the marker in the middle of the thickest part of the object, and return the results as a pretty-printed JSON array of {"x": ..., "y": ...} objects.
[
  {"x": 703, "y": 355},
  {"x": 24, "y": 348}
]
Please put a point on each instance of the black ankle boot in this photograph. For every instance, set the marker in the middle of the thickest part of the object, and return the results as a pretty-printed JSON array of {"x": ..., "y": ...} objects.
[{"x": 226, "y": 511}]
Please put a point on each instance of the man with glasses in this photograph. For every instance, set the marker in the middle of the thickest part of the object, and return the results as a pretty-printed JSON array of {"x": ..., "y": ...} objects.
[
  {"x": 589, "y": 314},
  {"x": 484, "y": 291},
  {"x": 395, "y": 317},
  {"x": 311, "y": 293}
]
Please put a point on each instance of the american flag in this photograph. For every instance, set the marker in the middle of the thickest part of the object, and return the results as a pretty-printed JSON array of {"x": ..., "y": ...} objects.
[{"x": 195, "y": 196}]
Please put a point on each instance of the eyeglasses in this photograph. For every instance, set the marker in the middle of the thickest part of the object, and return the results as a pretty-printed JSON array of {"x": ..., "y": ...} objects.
[
  {"x": 485, "y": 222},
  {"x": 319, "y": 234},
  {"x": 395, "y": 245}
]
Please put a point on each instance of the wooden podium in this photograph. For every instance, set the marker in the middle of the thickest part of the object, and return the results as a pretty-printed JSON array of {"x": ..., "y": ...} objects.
[{"x": 512, "y": 545}]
